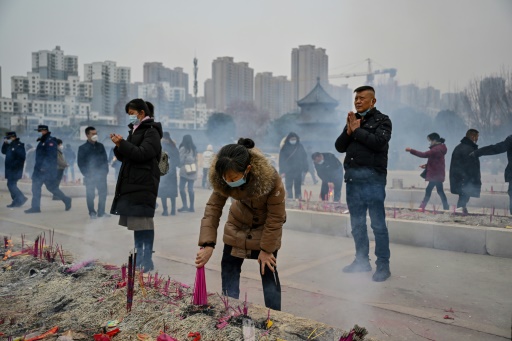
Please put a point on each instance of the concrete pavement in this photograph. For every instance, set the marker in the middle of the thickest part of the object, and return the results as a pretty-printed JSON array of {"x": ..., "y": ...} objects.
[{"x": 409, "y": 306}]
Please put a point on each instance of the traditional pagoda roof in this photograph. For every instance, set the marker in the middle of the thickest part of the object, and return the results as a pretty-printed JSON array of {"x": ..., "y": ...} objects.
[{"x": 317, "y": 96}]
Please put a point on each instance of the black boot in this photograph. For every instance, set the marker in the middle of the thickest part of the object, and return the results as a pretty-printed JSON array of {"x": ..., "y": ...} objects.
[
  {"x": 184, "y": 208},
  {"x": 358, "y": 266},
  {"x": 164, "y": 206},
  {"x": 382, "y": 273}
]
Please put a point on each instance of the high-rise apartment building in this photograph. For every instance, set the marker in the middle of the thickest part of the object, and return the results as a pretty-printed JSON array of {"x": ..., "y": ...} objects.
[
  {"x": 155, "y": 73},
  {"x": 308, "y": 64},
  {"x": 110, "y": 83},
  {"x": 232, "y": 82},
  {"x": 273, "y": 94},
  {"x": 54, "y": 64}
]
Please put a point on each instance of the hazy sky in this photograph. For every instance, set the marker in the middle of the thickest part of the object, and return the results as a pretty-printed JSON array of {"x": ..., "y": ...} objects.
[{"x": 443, "y": 43}]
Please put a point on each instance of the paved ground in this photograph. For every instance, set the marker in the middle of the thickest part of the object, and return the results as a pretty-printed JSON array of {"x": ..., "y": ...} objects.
[{"x": 409, "y": 306}]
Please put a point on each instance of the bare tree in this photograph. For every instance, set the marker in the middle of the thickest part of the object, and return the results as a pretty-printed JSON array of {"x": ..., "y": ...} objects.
[{"x": 487, "y": 103}]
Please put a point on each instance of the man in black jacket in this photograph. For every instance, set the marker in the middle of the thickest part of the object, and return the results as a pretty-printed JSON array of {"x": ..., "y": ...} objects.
[
  {"x": 328, "y": 169},
  {"x": 92, "y": 162},
  {"x": 14, "y": 152},
  {"x": 365, "y": 141},
  {"x": 502, "y": 147},
  {"x": 465, "y": 178}
]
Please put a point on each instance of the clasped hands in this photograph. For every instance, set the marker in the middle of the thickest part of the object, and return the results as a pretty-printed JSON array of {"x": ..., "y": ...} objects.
[{"x": 352, "y": 123}]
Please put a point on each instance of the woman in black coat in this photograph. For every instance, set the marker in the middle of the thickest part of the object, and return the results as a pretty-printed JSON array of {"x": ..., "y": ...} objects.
[
  {"x": 139, "y": 177},
  {"x": 465, "y": 178},
  {"x": 292, "y": 163},
  {"x": 169, "y": 182}
]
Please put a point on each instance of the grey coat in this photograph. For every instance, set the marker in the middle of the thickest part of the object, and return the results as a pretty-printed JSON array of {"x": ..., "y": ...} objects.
[{"x": 187, "y": 157}]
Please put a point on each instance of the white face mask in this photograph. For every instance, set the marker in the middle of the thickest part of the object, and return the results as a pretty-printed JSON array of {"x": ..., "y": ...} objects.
[
  {"x": 293, "y": 141},
  {"x": 61, "y": 148},
  {"x": 94, "y": 138}
]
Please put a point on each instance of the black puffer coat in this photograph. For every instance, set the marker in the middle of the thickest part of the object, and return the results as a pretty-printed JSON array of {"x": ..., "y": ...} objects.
[
  {"x": 139, "y": 176},
  {"x": 465, "y": 170},
  {"x": 14, "y": 159},
  {"x": 366, "y": 148},
  {"x": 292, "y": 157},
  {"x": 498, "y": 148}
]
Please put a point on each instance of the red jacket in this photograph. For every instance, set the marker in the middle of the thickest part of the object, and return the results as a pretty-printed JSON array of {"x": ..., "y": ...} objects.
[{"x": 435, "y": 162}]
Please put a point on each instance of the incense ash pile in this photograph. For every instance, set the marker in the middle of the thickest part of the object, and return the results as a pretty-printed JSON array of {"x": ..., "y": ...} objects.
[{"x": 86, "y": 298}]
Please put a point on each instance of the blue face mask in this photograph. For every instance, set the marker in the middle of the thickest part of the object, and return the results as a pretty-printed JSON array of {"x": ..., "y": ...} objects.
[
  {"x": 363, "y": 114},
  {"x": 133, "y": 119},
  {"x": 237, "y": 183}
]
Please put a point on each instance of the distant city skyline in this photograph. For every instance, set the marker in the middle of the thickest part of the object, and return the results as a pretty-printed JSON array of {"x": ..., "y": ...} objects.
[{"x": 437, "y": 43}]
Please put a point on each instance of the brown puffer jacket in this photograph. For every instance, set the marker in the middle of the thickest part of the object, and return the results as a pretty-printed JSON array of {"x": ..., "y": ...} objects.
[{"x": 256, "y": 215}]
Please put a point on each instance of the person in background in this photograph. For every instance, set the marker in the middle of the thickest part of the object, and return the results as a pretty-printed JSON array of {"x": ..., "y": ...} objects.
[
  {"x": 70, "y": 157},
  {"x": 139, "y": 177},
  {"x": 45, "y": 171},
  {"x": 14, "y": 152},
  {"x": 30, "y": 160},
  {"x": 207, "y": 161},
  {"x": 62, "y": 164},
  {"x": 188, "y": 172},
  {"x": 114, "y": 162},
  {"x": 254, "y": 225},
  {"x": 93, "y": 164},
  {"x": 498, "y": 148},
  {"x": 292, "y": 163},
  {"x": 435, "y": 168},
  {"x": 311, "y": 169},
  {"x": 365, "y": 140},
  {"x": 169, "y": 182},
  {"x": 329, "y": 170},
  {"x": 465, "y": 177}
]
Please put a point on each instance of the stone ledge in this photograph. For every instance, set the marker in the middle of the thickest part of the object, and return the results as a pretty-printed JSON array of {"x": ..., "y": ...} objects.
[{"x": 451, "y": 237}]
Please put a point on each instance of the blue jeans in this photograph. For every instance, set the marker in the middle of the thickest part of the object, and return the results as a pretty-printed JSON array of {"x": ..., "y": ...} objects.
[
  {"x": 231, "y": 267},
  {"x": 362, "y": 197}
]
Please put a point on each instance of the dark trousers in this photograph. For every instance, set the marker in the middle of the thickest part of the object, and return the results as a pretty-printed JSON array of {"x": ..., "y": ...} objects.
[
  {"x": 362, "y": 197},
  {"x": 463, "y": 200},
  {"x": 173, "y": 204},
  {"x": 144, "y": 246},
  {"x": 293, "y": 181},
  {"x": 230, "y": 272},
  {"x": 190, "y": 187},
  {"x": 204, "y": 182},
  {"x": 51, "y": 185},
  {"x": 510, "y": 195},
  {"x": 440, "y": 191},
  {"x": 91, "y": 185},
  {"x": 16, "y": 195}
]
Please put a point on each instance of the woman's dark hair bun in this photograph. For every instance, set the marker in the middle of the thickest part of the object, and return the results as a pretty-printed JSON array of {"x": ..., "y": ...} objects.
[
  {"x": 247, "y": 143},
  {"x": 442, "y": 140}
]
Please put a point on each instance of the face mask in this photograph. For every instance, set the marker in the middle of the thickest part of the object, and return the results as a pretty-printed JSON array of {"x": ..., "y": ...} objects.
[
  {"x": 293, "y": 141},
  {"x": 8, "y": 141},
  {"x": 237, "y": 183},
  {"x": 363, "y": 114},
  {"x": 61, "y": 148},
  {"x": 133, "y": 119},
  {"x": 320, "y": 162},
  {"x": 94, "y": 138}
]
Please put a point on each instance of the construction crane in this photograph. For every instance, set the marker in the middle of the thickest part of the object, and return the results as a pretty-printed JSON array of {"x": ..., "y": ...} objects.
[{"x": 370, "y": 74}]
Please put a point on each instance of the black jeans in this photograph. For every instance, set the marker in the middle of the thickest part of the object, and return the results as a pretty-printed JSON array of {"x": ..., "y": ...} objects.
[
  {"x": 190, "y": 187},
  {"x": 144, "y": 245},
  {"x": 510, "y": 195},
  {"x": 362, "y": 197},
  {"x": 51, "y": 185},
  {"x": 91, "y": 185},
  {"x": 463, "y": 200},
  {"x": 291, "y": 181},
  {"x": 440, "y": 191},
  {"x": 16, "y": 195},
  {"x": 231, "y": 267}
]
